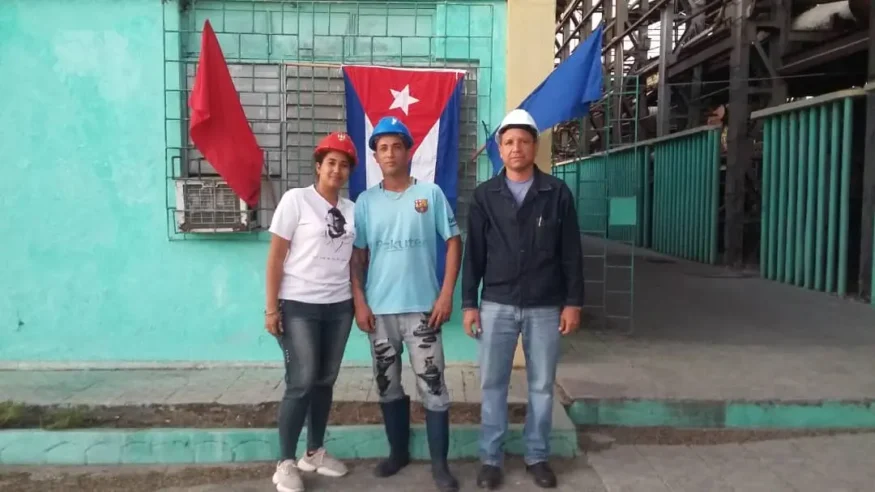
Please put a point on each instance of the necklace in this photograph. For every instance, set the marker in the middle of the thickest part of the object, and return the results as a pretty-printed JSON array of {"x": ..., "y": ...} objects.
[{"x": 396, "y": 195}]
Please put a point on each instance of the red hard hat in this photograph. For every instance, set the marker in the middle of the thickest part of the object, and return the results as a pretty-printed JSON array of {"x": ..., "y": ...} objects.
[{"x": 339, "y": 141}]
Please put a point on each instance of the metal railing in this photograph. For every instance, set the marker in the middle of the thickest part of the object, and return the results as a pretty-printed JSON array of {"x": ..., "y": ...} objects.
[{"x": 661, "y": 194}]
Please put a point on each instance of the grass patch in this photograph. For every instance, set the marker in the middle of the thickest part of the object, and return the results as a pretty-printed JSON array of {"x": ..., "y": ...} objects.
[{"x": 15, "y": 415}]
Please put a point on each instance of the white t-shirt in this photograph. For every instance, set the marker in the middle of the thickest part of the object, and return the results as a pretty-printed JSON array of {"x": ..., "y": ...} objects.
[{"x": 316, "y": 269}]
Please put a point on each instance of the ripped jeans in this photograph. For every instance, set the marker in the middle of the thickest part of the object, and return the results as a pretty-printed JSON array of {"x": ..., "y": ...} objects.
[{"x": 426, "y": 353}]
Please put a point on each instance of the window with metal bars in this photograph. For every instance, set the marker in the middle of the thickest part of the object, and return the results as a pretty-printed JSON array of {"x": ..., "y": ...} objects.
[
  {"x": 293, "y": 92},
  {"x": 290, "y": 107}
]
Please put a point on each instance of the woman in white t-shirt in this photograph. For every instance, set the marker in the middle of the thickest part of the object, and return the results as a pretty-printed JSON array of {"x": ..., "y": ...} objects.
[{"x": 309, "y": 305}]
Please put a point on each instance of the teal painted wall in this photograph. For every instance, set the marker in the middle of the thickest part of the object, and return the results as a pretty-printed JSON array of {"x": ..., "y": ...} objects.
[{"x": 89, "y": 273}]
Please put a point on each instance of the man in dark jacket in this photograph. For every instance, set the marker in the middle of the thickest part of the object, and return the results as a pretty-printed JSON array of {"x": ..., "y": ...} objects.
[{"x": 524, "y": 246}]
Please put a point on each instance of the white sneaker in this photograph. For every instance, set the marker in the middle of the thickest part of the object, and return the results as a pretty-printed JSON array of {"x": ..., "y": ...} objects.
[
  {"x": 323, "y": 463},
  {"x": 286, "y": 477}
]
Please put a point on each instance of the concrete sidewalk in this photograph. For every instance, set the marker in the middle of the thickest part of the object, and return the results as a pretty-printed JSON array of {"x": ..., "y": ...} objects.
[{"x": 217, "y": 385}]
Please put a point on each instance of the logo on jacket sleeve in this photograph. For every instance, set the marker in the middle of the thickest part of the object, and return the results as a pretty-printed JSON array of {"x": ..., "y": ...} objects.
[{"x": 421, "y": 205}]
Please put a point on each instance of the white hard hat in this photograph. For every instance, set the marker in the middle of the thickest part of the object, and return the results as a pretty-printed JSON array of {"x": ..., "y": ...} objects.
[{"x": 518, "y": 118}]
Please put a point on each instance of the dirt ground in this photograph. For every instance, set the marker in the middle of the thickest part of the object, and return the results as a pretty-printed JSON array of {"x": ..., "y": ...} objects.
[{"x": 213, "y": 415}]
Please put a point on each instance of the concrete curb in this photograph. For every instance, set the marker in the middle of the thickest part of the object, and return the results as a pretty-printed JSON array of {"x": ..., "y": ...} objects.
[
  {"x": 183, "y": 446},
  {"x": 159, "y": 366},
  {"x": 724, "y": 414}
]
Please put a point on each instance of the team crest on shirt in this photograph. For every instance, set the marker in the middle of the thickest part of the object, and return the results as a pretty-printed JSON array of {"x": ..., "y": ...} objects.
[{"x": 421, "y": 205}]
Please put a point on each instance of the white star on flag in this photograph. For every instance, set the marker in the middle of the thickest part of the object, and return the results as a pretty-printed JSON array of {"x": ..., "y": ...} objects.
[{"x": 403, "y": 99}]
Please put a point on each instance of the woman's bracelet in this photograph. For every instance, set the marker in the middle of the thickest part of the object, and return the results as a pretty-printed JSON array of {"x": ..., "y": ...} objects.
[{"x": 270, "y": 313}]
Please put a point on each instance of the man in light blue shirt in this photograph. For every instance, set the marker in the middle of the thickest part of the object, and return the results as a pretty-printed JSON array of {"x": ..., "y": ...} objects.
[{"x": 398, "y": 300}]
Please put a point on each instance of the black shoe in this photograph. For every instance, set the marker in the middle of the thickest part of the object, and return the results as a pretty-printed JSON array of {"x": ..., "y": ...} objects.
[
  {"x": 489, "y": 477},
  {"x": 396, "y": 419},
  {"x": 437, "y": 425},
  {"x": 542, "y": 475}
]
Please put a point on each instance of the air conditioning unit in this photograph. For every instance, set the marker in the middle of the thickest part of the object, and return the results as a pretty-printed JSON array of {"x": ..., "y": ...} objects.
[{"x": 209, "y": 206}]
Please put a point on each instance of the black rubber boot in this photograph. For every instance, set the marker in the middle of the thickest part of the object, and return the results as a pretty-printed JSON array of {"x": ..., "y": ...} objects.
[
  {"x": 396, "y": 418},
  {"x": 437, "y": 424}
]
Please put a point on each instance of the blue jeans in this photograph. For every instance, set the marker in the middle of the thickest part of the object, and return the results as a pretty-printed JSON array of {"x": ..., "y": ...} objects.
[
  {"x": 502, "y": 325},
  {"x": 313, "y": 341}
]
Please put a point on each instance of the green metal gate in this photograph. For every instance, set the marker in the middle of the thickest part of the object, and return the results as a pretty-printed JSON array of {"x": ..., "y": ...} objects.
[{"x": 607, "y": 190}]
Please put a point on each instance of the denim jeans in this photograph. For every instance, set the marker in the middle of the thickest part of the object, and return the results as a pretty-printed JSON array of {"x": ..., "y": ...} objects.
[
  {"x": 426, "y": 349},
  {"x": 502, "y": 325},
  {"x": 313, "y": 341}
]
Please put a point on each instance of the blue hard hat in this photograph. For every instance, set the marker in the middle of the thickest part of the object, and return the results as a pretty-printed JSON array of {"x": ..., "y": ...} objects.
[{"x": 389, "y": 125}]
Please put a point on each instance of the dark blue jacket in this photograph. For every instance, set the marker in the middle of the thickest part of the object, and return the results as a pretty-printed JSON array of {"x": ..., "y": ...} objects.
[{"x": 525, "y": 256}]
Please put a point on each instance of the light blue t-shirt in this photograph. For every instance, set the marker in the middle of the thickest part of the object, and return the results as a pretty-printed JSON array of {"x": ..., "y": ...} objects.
[
  {"x": 401, "y": 231},
  {"x": 519, "y": 189}
]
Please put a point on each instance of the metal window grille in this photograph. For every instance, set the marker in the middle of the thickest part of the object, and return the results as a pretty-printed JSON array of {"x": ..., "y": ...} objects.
[{"x": 285, "y": 58}]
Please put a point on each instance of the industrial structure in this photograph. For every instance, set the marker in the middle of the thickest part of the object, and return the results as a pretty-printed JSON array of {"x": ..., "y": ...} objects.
[{"x": 744, "y": 131}]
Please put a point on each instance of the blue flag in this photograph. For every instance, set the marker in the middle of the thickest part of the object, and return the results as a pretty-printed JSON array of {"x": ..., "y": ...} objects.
[{"x": 565, "y": 94}]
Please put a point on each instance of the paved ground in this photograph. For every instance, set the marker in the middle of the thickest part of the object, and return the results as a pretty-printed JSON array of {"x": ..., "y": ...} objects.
[
  {"x": 704, "y": 333},
  {"x": 842, "y": 463},
  {"x": 824, "y": 464},
  {"x": 575, "y": 476},
  {"x": 221, "y": 385}
]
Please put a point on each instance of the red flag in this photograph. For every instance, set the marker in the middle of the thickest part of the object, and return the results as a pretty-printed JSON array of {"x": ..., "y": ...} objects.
[{"x": 218, "y": 126}]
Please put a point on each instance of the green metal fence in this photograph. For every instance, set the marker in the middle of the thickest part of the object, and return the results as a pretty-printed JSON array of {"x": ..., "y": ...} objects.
[
  {"x": 807, "y": 159},
  {"x": 661, "y": 194},
  {"x": 615, "y": 216},
  {"x": 686, "y": 189}
]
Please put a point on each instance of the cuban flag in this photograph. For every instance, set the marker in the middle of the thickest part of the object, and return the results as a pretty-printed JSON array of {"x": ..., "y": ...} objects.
[{"x": 427, "y": 101}]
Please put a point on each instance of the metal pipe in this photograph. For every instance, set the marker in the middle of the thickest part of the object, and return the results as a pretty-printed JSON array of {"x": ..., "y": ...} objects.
[
  {"x": 811, "y": 197},
  {"x": 683, "y": 232},
  {"x": 670, "y": 217},
  {"x": 663, "y": 123},
  {"x": 800, "y": 183},
  {"x": 845, "y": 197},
  {"x": 693, "y": 185},
  {"x": 790, "y": 250},
  {"x": 672, "y": 191},
  {"x": 680, "y": 199},
  {"x": 714, "y": 171},
  {"x": 767, "y": 198},
  {"x": 783, "y": 200},
  {"x": 648, "y": 198},
  {"x": 697, "y": 208},
  {"x": 774, "y": 219},
  {"x": 655, "y": 228},
  {"x": 832, "y": 220},
  {"x": 820, "y": 226}
]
